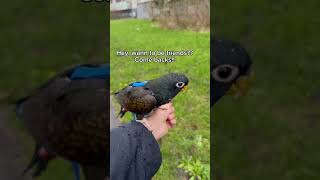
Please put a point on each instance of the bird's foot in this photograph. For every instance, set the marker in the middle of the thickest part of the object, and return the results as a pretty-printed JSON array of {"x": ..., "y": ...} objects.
[{"x": 122, "y": 112}]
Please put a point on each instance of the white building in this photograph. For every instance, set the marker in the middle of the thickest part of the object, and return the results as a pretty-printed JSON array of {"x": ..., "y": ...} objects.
[{"x": 141, "y": 9}]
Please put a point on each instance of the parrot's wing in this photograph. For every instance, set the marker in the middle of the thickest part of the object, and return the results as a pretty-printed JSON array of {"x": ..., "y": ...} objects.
[
  {"x": 55, "y": 82},
  {"x": 79, "y": 131},
  {"x": 35, "y": 109},
  {"x": 138, "y": 100}
]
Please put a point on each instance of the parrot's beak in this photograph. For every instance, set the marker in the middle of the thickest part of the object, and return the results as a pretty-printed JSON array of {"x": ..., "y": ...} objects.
[
  {"x": 242, "y": 85},
  {"x": 184, "y": 88}
]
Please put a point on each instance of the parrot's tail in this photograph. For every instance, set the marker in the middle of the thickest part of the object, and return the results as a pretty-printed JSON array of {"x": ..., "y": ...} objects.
[{"x": 37, "y": 161}]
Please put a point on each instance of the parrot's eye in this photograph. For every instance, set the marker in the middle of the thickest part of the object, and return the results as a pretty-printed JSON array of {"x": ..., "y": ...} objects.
[
  {"x": 225, "y": 73},
  {"x": 180, "y": 85}
]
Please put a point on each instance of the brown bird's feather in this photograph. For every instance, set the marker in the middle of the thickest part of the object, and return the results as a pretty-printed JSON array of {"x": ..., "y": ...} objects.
[{"x": 141, "y": 99}]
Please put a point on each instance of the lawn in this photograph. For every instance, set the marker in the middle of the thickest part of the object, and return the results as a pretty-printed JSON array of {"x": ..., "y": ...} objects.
[
  {"x": 273, "y": 132},
  {"x": 40, "y": 38},
  {"x": 191, "y": 136}
]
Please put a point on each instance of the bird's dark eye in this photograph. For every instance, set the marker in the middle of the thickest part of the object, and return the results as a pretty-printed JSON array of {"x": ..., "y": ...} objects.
[
  {"x": 180, "y": 84},
  {"x": 225, "y": 73}
]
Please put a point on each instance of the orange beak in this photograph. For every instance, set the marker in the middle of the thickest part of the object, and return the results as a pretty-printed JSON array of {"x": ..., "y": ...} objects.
[
  {"x": 184, "y": 88},
  {"x": 242, "y": 85}
]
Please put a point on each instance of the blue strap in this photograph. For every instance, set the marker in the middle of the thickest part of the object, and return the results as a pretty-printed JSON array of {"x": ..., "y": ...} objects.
[
  {"x": 84, "y": 72},
  {"x": 134, "y": 116},
  {"x": 138, "y": 84},
  {"x": 76, "y": 170}
]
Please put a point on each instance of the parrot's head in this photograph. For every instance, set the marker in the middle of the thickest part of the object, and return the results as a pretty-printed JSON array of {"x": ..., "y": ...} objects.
[
  {"x": 173, "y": 83},
  {"x": 178, "y": 82},
  {"x": 230, "y": 69}
]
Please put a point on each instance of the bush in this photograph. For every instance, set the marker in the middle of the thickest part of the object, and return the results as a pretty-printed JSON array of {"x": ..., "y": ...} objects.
[
  {"x": 183, "y": 14},
  {"x": 194, "y": 167}
]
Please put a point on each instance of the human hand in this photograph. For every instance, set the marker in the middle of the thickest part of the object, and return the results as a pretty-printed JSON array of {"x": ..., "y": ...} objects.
[{"x": 161, "y": 120}]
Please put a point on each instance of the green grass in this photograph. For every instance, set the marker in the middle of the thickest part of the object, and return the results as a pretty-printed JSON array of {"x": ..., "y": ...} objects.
[
  {"x": 39, "y": 39},
  {"x": 42, "y": 38},
  {"x": 273, "y": 132},
  {"x": 192, "y": 106}
]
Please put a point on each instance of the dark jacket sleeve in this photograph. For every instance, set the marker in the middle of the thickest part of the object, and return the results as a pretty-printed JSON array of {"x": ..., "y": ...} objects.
[{"x": 134, "y": 153}]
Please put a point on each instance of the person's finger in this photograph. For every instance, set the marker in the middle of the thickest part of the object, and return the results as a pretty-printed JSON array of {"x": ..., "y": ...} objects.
[
  {"x": 166, "y": 106},
  {"x": 162, "y": 109},
  {"x": 169, "y": 124},
  {"x": 171, "y": 116},
  {"x": 172, "y": 121},
  {"x": 173, "y": 109}
]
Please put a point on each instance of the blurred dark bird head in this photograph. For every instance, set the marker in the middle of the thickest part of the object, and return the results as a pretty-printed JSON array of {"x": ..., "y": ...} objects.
[{"x": 230, "y": 69}]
